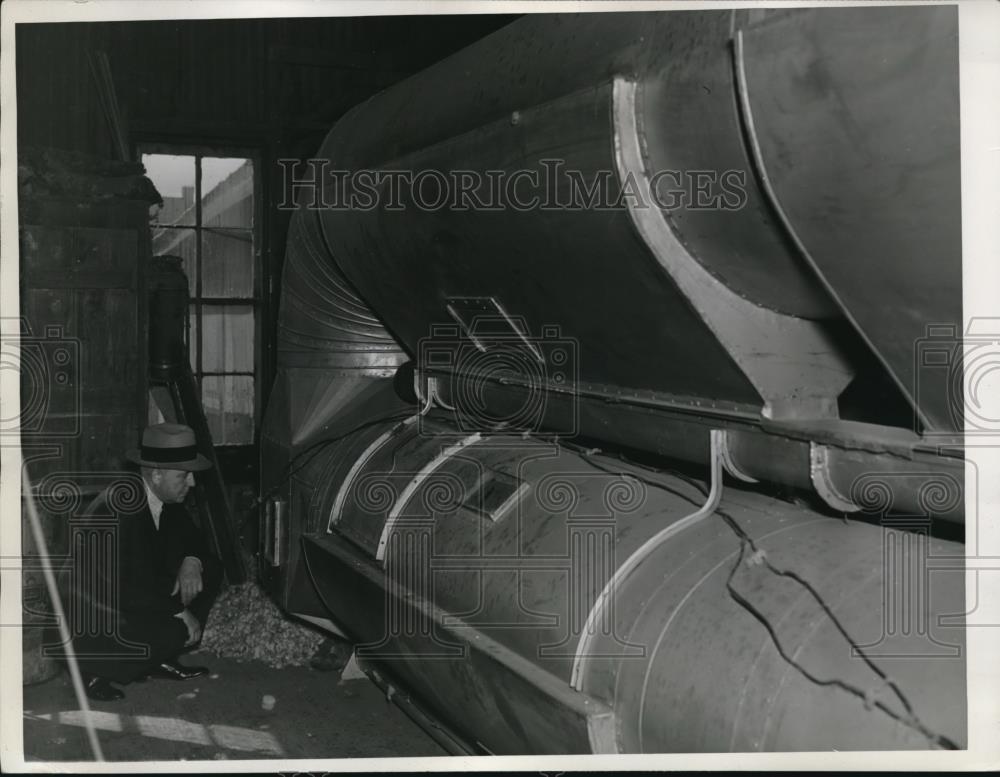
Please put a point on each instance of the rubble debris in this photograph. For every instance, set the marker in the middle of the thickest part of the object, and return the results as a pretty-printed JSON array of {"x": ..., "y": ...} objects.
[{"x": 246, "y": 625}]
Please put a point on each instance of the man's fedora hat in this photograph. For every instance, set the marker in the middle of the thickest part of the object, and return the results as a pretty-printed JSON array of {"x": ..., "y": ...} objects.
[{"x": 168, "y": 446}]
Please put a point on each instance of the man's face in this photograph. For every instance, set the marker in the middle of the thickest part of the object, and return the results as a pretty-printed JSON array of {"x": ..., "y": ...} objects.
[{"x": 171, "y": 485}]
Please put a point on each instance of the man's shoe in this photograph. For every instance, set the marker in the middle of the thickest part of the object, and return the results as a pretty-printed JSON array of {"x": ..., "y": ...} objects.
[
  {"x": 99, "y": 689},
  {"x": 174, "y": 670}
]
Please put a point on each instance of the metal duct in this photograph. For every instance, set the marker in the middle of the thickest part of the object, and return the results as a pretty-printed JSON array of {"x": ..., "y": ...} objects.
[
  {"x": 322, "y": 321},
  {"x": 335, "y": 363},
  {"x": 542, "y": 596},
  {"x": 696, "y": 305}
]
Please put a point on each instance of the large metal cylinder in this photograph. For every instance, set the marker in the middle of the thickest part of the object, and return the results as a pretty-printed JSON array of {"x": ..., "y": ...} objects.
[
  {"x": 535, "y": 595},
  {"x": 536, "y": 599}
]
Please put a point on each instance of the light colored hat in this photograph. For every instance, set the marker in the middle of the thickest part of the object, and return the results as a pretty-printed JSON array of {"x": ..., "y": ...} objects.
[{"x": 169, "y": 446}]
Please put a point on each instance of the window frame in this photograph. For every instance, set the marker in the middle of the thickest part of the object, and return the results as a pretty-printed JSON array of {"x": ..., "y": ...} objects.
[{"x": 256, "y": 302}]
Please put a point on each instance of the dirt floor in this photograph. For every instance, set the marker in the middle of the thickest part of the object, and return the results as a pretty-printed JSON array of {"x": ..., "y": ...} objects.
[{"x": 223, "y": 716}]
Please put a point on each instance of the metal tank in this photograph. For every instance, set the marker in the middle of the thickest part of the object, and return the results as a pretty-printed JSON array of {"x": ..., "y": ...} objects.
[{"x": 636, "y": 475}]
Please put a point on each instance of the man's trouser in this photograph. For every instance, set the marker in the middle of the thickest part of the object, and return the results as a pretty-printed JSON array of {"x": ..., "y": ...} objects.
[{"x": 125, "y": 646}]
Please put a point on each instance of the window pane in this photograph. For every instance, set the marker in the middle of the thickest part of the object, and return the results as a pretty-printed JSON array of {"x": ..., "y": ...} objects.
[
  {"x": 182, "y": 243},
  {"x": 173, "y": 177},
  {"x": 228, "y": 401},
  {"x": 226, "y": 192},
  {"x": 227, "y": 338},
  {"x": 227, "y": 263}
]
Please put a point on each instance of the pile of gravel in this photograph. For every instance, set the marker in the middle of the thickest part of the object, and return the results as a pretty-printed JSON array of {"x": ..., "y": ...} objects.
[{"x": 245, "y": 624}]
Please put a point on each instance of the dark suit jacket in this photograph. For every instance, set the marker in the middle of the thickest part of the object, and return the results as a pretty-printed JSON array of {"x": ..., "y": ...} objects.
[{"x": 139, "y": 579}]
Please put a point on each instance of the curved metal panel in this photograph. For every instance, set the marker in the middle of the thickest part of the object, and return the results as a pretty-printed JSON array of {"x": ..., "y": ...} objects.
[
  {"x": 336, "y": 512},
  {"x": 413, "y": 485},
  {"x": 526, "y": 584},
  {"x": 718, "y": 211},
  {"x": 740, "y": 693},
  {"x": 544, "y": 57},
  {"x": 878, "y": 210},
  {"x": 582, "y": 271},
  {"x": 793, "y": 364},
  {"x": 599, "y": 613}
]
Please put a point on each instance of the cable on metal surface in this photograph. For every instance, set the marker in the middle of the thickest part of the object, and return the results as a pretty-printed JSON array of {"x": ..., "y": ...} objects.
[
  {"x": 759, "y": 557},
  {"x": 910, "y": 719}
]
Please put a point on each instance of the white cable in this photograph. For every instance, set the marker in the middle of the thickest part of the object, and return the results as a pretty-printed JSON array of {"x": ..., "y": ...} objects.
[{"x": 50, "y": 583}]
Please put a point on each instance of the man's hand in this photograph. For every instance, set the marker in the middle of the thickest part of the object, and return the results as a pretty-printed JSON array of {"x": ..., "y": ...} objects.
[
  {"x": 193, "y": 627},
  {"x": 188, "y": 580}
]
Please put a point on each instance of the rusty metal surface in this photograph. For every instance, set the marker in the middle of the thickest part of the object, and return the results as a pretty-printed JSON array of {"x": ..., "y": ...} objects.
[{"x": 856, "y": 115}]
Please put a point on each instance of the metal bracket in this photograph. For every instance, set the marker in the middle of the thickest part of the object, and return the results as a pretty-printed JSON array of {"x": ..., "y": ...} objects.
[
  {"x": 819, "y": 473},
  {"x": 729, "y": 463},
  {"x": 434, "y": 393}
]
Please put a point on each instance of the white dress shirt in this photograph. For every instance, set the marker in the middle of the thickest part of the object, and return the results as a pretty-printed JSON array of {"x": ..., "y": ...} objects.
[
  {"x": 155, "y": 505},
  {"x": 156, "y": 508}
]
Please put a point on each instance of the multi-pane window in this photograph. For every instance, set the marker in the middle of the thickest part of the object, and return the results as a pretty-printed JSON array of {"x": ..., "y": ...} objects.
[{"x": 207, "y": 219}]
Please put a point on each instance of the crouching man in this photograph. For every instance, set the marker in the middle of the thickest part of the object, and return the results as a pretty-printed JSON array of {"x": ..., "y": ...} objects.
[{"x": 147, "y": 593}]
